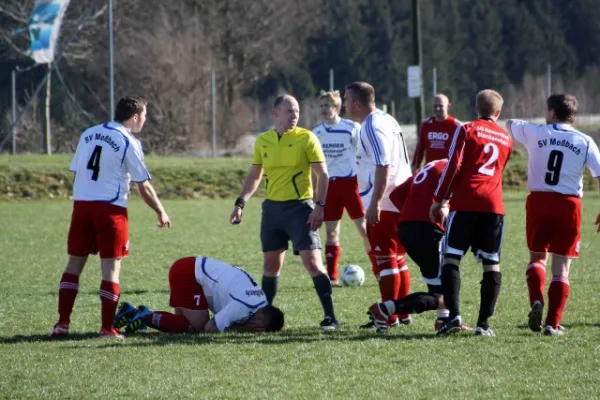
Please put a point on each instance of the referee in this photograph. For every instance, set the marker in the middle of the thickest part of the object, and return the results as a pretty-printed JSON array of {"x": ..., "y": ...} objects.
[{"x": 286, "y": 155}]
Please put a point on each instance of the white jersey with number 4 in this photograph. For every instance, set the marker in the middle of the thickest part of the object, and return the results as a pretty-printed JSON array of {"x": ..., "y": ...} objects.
[
  {"x": 107, "y": 158},
  {"x": 231, "y": 293},
  {"x": 339, "y": 146},
  {"x": 381, "y": 144},
  {"x": 558, "y": 154}
]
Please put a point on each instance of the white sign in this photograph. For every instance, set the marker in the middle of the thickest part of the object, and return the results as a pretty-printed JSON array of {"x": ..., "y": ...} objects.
[{"x": 414, "y": 81}]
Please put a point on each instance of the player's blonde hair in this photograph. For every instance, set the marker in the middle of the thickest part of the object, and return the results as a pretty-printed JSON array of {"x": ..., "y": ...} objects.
[
  {"x": 332, "y": 96},
  {"x": 488, "y": 103}
]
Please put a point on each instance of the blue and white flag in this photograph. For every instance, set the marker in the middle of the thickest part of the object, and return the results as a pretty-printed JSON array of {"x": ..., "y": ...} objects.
[{"x": 44, "y": 28}]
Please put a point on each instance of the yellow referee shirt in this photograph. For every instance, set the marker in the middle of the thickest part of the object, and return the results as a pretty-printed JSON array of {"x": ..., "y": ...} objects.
[{"x": 286, "y": 162}]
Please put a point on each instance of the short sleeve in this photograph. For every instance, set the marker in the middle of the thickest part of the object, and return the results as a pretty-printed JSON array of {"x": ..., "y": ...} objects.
[
  {"x": 313, "y": 149},
  {"x": 134, "y": 162},
  {"x": 233, "y": 313},
  {"x": 592, "y": 160},
  {"x": 376, "y": 141},
  {"x": 257, "y": 158},
  {"x": 518, "y": 129}
]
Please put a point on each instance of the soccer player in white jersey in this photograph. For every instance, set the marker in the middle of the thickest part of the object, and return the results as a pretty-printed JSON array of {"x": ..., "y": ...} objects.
[
  {"x": 199, "y": 285},
  {"x": 107, "y": 158},
  {"x": 558, "y": 155},
  {"x": 383, "y": 165},
  {"x": 339, "y": 139}
]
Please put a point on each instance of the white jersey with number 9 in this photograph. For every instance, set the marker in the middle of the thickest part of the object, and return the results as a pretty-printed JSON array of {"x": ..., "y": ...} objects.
[
  {"x": 558, "y": 154},
  {"x": 107, "y": 158}
]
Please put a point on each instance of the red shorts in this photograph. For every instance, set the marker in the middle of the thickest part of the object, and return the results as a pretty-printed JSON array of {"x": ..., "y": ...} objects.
[
  {"x": 98, "y": 227},
  {"x": 186, "y": 292},
  {"x": 343, "y": 193},
  {"x": 383, "y": 236},
  {"x": 553, "y": 223}
]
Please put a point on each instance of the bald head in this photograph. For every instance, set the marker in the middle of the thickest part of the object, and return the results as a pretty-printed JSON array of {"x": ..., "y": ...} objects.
[
  {"x": 286, "y": 113},
  {"x": 441, "y": 105}
]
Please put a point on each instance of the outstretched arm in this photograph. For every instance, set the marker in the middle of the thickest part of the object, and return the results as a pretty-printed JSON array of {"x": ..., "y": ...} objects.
[{"x": 248, "y": 188}]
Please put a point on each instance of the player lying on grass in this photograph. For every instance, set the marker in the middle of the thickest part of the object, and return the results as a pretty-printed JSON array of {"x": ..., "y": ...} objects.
[
  {"x": 422, "y": 240},
  {"x": 200, "y": 284}
]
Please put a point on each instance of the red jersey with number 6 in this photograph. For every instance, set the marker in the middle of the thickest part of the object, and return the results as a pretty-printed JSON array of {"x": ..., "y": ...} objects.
[
  {"x": 413, "y": 198},
  {"x": 473, "y": 175}
]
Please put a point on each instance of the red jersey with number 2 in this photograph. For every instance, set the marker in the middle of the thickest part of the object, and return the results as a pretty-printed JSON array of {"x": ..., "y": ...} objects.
[
  {"x": 413, "y": 198},
  {"x": 473, "y": 176}
]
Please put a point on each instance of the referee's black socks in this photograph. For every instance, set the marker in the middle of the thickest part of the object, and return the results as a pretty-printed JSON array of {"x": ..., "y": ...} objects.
[
  {"x": 270, "y": 285},
  {"x": 490, "y": 288},
  {"x": 323, "y": 288},
  {"x": 451, "y": 289}
]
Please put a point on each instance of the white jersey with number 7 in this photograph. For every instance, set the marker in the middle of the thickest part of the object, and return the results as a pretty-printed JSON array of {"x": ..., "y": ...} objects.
[
  {"x": 107, "y": 158},
  {"x": 558, "y": 155}
]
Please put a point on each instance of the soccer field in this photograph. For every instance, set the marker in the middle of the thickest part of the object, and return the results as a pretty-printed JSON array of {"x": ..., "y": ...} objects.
[{"x": 299, "y": 362}]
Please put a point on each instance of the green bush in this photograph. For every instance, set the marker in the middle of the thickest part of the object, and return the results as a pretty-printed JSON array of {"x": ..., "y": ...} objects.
[{"x": 42, "y": 177}]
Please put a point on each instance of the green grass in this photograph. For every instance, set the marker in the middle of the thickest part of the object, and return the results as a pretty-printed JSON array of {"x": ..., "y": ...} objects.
[{"x": 300, "y": 362}]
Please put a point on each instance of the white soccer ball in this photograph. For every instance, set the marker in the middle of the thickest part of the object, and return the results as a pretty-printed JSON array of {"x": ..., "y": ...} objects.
[{"x": 353, "y": 275}]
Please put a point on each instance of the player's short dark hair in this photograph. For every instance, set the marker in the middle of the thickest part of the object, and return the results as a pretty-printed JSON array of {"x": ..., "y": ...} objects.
[
  {"x": 363, "y": 92},
  {"x": 564, "y": 106},
  {"x": 488, "y": 102},
  {"x": 274, "y": 318},
  {"x": 128, "y": 106}
]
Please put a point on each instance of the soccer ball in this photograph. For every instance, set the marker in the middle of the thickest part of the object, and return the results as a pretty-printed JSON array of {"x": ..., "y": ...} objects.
[{"x": 353, "y": 275}]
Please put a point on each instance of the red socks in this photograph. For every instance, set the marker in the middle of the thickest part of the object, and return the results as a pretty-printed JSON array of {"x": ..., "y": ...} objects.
[
  {"x": 404, "y": 288},
  {"x": 67, "y": 292},
  {"x": 389, "y": 278},
  {"x": 332, "y": 256},
  {"x": 167, "y": 322},
  {"x": 536, "y": 280},
  {"x": 109, "y": 299},
  {"x": 558, "y": 293}
]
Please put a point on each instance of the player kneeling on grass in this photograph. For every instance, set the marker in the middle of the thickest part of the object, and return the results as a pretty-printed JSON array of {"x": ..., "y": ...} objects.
[
  {"x": 422, "y": 240},
  {"x": 200, "y": 284}
]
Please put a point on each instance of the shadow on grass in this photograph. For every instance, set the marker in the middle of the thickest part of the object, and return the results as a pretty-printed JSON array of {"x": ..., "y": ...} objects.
[
  {"x": 44, "y": 338},
  {"x": 123, "y": 293},
  {"x": 293, "y": 335},
  {"x": 153, "y": 338},
  {"x": 569, "y": 326}
]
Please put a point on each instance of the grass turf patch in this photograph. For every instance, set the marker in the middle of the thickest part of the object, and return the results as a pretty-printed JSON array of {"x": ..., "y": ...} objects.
[{"x": 299, "y": 362}]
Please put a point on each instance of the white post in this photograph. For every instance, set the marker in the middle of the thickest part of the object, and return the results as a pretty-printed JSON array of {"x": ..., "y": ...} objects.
[
  {"x": 214, "y": 113},
  {"x": 48, "y": 134},
  {"x": 14, "y": 110},
  {"x": 111, "y": 60},
  {"x": 330, "y": 79},
  {"x": 434, "y": 81}
]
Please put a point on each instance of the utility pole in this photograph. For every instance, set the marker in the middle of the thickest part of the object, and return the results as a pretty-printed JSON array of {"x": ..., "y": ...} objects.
[
  {"x": 111, "y": 63},
  {"x": 418, "y": 55}
]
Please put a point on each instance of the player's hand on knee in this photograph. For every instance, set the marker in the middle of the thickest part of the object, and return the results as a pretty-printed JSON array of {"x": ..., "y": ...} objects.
[
  {"x": 163, "y": 220},
  {"x": 236, "y": 216}
]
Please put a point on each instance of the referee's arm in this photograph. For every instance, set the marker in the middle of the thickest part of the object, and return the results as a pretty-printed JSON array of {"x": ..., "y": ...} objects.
[{"x": 322, "y": 180}]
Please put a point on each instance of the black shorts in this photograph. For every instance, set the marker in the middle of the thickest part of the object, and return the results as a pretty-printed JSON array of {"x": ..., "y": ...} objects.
[
  {"x": 283, "y": 221},
  {"x": 423, "y": 243},
  {"x": 482, "y": 232}
]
